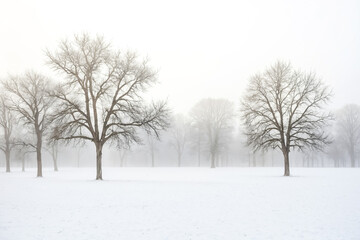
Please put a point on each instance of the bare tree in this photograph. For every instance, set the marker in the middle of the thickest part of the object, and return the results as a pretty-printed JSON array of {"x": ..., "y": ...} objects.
[
  {"x": 122, "y": 155},
  {"x": 214, "y": 117},
  {"x": 30, "y": 99},
  {"x": 179, "y": 135},
  {"x": 53, "y": 149},
  {"x": 21, "y": 151},
  {"x": 348, "y": 130},
  {"x": 6, "y": 123},
  {"x": 336, "y": 153},
  {"x": 283, "y": 109},
  {"x": 151, "y": 142},
  {"x": 101, "y": 96}
]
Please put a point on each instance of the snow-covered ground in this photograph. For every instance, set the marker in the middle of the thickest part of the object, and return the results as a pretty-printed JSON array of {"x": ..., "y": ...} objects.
[{"x": 181, "y": 203}]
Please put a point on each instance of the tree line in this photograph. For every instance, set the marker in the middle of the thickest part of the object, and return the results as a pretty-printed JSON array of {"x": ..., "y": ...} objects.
[{"x": 99, "y": 98}]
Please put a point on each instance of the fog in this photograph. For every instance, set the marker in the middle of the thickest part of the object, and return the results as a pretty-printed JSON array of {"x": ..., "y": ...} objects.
[{"x": 203, "y": 49}]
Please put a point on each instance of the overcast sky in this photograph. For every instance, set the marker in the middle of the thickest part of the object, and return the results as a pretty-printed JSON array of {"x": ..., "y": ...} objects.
[{"x": 201, "y": 48}]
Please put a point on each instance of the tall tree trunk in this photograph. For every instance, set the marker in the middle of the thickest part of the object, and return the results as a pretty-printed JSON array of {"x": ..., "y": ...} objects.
[
  {"x": 55, "y": 164},
  {"x": 38, "y": 154},
  {"x": 98, "y": 161},
  {"x": 286, "y": 162},
  {"x": 54, "y": 152},
  {"x": 7, "y": 149},
  {"x": 7, "y": 157}
]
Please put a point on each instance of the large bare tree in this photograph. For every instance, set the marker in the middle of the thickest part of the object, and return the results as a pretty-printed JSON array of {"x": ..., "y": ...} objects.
[
  {"x": 214, "y": 118},
  {"x": 101, "y": 95},
  {"x": 7, "y": 123},
  {"x": 30, "y": 99},
  {"x": 283, "y": 109},
  {"x": 348, "y": 130}
]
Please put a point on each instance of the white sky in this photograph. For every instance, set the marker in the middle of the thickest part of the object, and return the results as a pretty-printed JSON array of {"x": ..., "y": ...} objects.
[{"x": 201, "y": 48}]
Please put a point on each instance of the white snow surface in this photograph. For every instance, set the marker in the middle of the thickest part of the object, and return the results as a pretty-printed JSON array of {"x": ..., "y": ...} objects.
[{"x": 181, "y": 203}]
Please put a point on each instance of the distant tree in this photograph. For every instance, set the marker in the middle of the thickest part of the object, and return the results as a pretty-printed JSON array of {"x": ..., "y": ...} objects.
[
  {"x": 21, "y": 151},
  {"x": 151, "y": 143},
  {"x": 348, "y": 130},
  {"x": 179, "y": 133},
  {"x": 334, "y": 152},
  {"x": 283, "y": 108},
  {"x": 30, "y": 99},
  {"x": 53, "y": 149},
  {"x": 122, "y": 154},
  {"x": 101, "y": 95},
  {"x": 7, "y": 123},
  {"x": 214, "y": 118}
]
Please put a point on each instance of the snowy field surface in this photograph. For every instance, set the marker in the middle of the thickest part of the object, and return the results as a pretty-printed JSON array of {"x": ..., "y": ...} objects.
[{"x": 181, "y": 203}]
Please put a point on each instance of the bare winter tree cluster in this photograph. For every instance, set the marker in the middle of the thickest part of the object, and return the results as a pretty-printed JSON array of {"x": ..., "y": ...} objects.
[
  {"x": 7, "y": 124},
  {"x": 98, "y": 99},
  {"x": 346, "y": 135},
  {"x": 29, "y": 98},
  {"x": 213, "y": 118},
  {"x": 180, "y": 130}
]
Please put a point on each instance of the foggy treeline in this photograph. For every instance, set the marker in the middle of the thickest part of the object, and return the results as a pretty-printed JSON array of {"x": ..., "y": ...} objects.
[
  {"x": 183, "y": 144},
  {"x": 39, "y": 117}
]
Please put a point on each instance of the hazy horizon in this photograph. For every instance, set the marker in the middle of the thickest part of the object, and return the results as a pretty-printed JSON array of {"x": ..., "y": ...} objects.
[{"x": 201, "y": 49}]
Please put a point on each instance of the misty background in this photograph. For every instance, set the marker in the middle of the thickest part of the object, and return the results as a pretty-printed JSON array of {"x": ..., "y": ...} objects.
[{"x": 201, "y": 50}]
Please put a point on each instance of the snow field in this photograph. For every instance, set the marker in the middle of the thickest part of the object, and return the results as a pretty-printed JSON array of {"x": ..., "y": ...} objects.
[{"x": 181, "y": 203}]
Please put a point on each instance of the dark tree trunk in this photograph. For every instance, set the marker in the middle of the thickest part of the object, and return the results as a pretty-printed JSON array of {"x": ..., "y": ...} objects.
[
  {"x": 286, "y": 162},
  {"x": 7, "y": 149},
  {"x": 39, "y": 163},
  {"x": 38, "y": 155},
  {"x": 98, "y": 161},
  {"x": 7, "y": 157}
]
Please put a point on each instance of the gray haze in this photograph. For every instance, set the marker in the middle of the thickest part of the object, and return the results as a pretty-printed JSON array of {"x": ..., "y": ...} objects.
[{"x": 202, "y": 49}]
